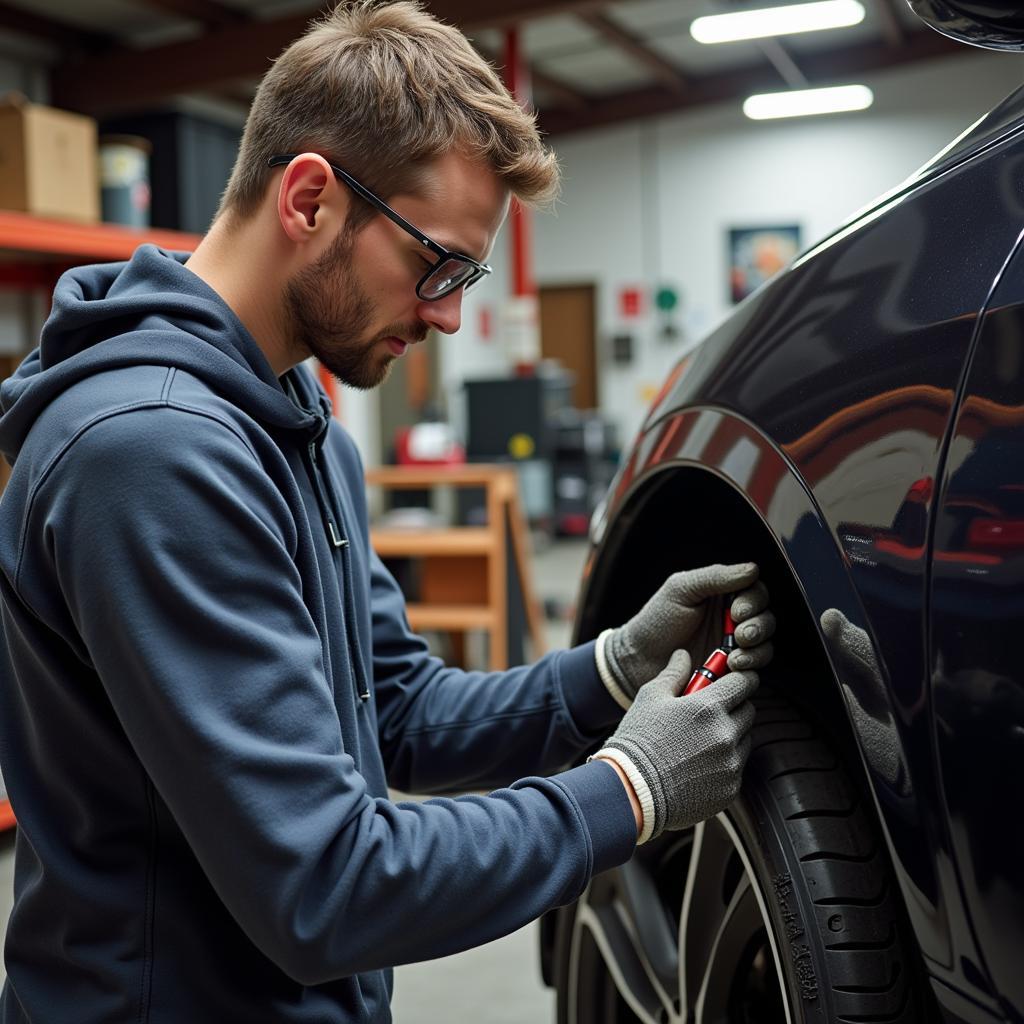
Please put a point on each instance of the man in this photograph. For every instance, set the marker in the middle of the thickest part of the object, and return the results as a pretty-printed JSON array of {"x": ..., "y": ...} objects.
[{"x": 209, "y": 679}]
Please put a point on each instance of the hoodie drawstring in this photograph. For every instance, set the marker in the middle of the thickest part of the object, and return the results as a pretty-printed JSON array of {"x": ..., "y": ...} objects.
[{"x": 339, "y": 542}]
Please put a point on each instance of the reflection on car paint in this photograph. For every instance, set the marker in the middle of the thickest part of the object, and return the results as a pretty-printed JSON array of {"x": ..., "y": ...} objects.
[
  {"x": 826, "y": 399},
  {"x": 977, "y": 591}
]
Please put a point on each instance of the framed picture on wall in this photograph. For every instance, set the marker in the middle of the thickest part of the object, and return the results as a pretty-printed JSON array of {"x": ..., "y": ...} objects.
[{"x": 756, "y": 254}]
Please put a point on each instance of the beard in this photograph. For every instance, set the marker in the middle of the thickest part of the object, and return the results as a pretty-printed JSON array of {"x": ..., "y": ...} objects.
[{"x": 329, "y": 313}]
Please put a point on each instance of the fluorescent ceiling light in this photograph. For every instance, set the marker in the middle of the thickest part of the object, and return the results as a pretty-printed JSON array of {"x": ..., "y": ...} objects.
[
  {"x": 777, "y": 21},
  {"x": 801, "y": 102}
]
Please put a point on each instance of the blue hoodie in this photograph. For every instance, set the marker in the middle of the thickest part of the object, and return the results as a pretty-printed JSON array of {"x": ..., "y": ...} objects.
[{"x": 208, "y": 682}]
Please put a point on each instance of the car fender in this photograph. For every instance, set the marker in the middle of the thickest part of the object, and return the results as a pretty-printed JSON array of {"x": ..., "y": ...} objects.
[
  {"x": 724, "y": 458},
  {"x": 720, "y": 443}
]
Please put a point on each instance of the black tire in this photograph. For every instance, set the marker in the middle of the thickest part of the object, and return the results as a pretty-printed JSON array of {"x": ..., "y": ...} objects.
[{"x": 790, "y": 895}]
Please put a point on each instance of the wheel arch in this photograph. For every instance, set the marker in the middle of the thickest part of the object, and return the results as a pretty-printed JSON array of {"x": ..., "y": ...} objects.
[
  {"x": 686, "y": 509},
  {"x": 686, "y": 500}
]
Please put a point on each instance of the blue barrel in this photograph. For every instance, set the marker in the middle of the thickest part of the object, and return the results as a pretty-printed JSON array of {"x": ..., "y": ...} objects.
[{"x": 124, "y": 179}]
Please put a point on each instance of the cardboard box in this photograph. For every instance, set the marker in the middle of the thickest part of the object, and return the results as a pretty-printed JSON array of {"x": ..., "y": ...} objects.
[{"x": 48, "y": 161}]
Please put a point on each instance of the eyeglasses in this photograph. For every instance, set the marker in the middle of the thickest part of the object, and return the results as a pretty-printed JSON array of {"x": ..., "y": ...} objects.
[{"x": 453, "y": 270}]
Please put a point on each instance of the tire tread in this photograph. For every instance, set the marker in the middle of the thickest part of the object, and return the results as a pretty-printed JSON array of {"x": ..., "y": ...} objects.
[{"x": 844, "y": 870}]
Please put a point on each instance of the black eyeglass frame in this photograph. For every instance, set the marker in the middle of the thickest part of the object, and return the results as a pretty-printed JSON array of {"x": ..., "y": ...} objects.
[{"x": 444, "y": 255}]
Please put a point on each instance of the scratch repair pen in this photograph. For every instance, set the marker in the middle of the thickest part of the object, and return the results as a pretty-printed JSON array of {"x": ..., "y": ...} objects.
[{"x": 716, "y": 665}]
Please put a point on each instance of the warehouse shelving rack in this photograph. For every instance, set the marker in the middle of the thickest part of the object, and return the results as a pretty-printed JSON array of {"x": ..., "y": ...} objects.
[{"x": 67, "y": 243}]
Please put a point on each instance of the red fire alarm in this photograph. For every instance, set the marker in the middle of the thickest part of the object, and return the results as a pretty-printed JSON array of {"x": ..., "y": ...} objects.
[{"x": 631, "y": 301}]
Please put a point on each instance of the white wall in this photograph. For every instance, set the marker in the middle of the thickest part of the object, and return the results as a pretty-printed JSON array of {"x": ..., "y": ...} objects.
[
  {"x": 651, "y": 203},
  {"x": 467, "y": 355}
]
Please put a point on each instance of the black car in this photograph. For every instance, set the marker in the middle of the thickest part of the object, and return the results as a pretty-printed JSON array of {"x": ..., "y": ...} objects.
[{"x": 857, "y": 428}]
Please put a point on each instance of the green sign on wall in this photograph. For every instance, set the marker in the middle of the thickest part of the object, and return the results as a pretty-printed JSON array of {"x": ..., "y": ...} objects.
[{"x": 666, "y": 299}]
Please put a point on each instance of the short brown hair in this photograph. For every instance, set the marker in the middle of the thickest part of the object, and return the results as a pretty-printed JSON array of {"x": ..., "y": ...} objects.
[{"x": 382, "y": 89}]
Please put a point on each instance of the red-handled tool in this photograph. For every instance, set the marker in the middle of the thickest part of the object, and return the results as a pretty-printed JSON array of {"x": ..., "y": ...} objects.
[{"x": 716, "y": 665}]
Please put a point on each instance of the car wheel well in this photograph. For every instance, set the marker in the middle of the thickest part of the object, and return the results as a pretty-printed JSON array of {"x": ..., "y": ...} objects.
[
  {"x": 684, "y": 517},
  {"x": 681, "y": 518}
]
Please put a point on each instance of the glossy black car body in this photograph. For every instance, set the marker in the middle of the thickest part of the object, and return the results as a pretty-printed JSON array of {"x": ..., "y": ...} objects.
[{"x": 857, "y": 427}]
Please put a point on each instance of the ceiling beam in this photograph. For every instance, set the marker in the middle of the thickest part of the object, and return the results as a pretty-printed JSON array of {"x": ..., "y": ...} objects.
[
  {"x": 782, "y": 60},
  {"x": 238, "y": 95},
  {"x": 665, "y": 71},
  {"x": 565, "y": 95},
  {"x": 129, "y": 79},
  {"x": 821, "y": 68},
  {"x": 207, "y": 12},
  {"x": 133, "y": 79},
  {"x": 472, "y": 15},
  {"x": 892, "y": 30},
  {"x": 67, "y": 37}
]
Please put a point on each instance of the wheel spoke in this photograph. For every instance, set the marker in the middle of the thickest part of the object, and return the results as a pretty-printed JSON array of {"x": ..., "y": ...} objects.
[
  {"x": 740, "y": 923},
  {"x": 655, "y": 939},
  {"x": 606, "y": 927},
  {"x": 625, "y": 962},
  {"x": 704, "y": 907},
  {"x": 729, "y": 961}
]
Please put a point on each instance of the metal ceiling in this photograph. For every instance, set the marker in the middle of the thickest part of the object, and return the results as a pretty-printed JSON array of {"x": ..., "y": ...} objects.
[{"x": 593, "y": 62}]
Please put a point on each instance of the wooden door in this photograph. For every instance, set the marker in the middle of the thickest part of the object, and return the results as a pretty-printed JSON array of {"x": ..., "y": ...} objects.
[{"x": 568, "y": 333}]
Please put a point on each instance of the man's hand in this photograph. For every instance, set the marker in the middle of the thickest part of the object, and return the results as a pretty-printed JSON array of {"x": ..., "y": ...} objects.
[
  {"x": 687, "y": 613},
  {"x": 684, "y": 756}
]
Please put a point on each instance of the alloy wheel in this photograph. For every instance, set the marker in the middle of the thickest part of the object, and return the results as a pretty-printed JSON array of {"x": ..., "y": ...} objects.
[{"x": 679, "y": 935}]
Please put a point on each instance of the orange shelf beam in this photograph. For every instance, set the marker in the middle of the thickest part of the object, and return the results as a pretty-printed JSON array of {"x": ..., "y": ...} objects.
[
  {"x": 6, "y": 816},
  {"x": 21, "y": 232}
]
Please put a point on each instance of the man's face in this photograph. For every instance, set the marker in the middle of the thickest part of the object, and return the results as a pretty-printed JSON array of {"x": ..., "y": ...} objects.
[{"x": 356, "y": 308}]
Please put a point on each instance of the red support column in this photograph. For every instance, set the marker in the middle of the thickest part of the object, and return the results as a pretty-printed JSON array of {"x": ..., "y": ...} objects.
[
  {"x": 524, "y": 286},
  {"x": 521, "y": 226},
  {"x": 517, "y": 79}
]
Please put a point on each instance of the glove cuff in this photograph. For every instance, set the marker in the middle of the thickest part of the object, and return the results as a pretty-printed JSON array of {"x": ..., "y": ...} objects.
[
  {"x": 640, "y": 787},
  {"x": 604, "y": 670}
]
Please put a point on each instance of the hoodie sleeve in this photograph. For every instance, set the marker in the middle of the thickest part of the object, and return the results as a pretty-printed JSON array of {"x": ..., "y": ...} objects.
[
  {"x": 175, "y": 555},
  {"x": 443, "y": 729}
]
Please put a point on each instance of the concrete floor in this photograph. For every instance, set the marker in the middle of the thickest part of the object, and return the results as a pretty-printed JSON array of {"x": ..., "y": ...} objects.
[{"x": 499, "y": 983}]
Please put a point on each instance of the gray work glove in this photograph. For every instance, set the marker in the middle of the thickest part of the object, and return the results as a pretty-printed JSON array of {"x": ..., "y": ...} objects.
[
  {"x": 687, "y": 611},
  {"x": 684, "y": 756}
]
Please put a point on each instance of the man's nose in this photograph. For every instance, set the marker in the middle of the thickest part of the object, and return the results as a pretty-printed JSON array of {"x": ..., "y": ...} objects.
[{"x": 444, "y": 315}]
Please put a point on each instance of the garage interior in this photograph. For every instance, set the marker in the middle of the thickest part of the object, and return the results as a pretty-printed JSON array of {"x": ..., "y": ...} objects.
[{"x": 675, "y": 205}]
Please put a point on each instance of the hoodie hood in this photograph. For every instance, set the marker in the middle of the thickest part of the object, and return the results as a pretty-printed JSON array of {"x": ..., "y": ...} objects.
[{"x": 150, "y": 310}]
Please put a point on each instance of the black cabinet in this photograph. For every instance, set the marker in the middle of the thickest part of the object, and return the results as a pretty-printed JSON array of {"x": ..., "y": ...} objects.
[{"x": 190, "y": 165}]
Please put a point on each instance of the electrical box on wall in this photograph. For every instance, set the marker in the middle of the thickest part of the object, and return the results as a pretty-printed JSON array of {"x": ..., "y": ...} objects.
[{"x": 191, "y": 161}]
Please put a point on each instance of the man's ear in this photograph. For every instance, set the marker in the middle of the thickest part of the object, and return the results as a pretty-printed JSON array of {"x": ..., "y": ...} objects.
[{"x": 309, "y": 198}]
